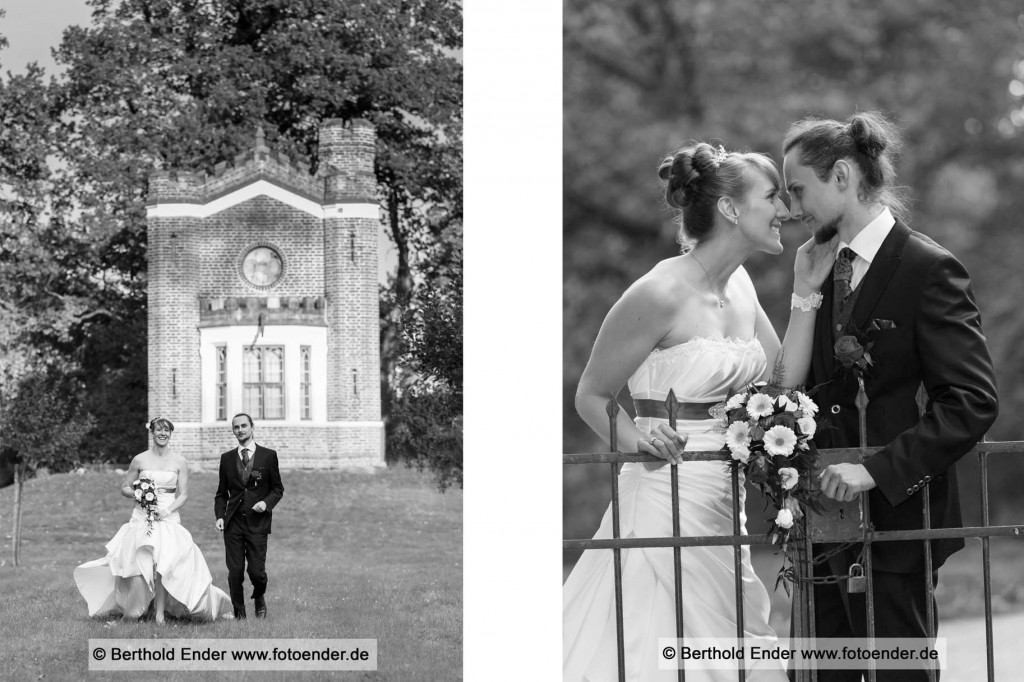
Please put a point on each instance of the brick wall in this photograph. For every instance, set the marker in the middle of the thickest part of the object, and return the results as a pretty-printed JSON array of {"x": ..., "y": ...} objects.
[
  {"x": 353, "y": 314},
  {"x": 330, "y": 446},
  {"x": 173, "y": 316},
  {"x": 227, "y": 236}
]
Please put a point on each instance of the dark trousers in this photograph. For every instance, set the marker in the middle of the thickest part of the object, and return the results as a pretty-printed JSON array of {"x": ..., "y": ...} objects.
[
  {"x": 900, "y": 611},
  {"x": 241, "y": 547}
]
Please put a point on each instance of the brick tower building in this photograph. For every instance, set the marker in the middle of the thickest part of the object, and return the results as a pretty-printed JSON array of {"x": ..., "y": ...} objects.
[{"x": 263, "y": 299}]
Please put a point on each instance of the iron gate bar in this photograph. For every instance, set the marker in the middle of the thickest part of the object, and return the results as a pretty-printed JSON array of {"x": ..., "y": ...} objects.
[
  {"x": 672, "y": 406},
  {"x": 861, "y": 402},
  {"x": 613, "y": 430},
  {"x": 929, "y": 586},
  {"x": 737, "y": 573},
  {"x": 987, "y": 569}
]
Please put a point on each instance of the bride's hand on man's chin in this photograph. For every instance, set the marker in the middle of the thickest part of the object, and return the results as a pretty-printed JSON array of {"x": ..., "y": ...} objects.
[{"x": 813, "y": 263}]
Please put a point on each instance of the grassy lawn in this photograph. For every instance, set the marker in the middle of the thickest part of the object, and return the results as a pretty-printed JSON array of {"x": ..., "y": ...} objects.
[{"x": 351, "y": 556}]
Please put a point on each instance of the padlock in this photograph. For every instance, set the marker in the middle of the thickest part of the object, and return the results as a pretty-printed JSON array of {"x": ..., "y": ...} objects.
[{"x": 856, "y": 583}]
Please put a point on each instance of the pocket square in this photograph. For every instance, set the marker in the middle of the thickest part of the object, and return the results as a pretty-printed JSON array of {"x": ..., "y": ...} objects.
[{"x": 878, "y": 324}]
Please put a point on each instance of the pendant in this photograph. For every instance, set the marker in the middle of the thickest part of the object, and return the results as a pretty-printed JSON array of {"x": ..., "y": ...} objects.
[{"x": 721, "y": 303}]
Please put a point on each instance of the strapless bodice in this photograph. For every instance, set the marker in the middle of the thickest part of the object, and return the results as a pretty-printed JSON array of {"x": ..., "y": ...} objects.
[
  {"x": 701, "y": 370},
  {"x": 161, "y": 477}
]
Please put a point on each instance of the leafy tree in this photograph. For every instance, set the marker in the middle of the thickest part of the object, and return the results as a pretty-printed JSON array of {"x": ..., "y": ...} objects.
[
  {"x": 43, "y": 428},
  {"x": 425, "y": 428}
]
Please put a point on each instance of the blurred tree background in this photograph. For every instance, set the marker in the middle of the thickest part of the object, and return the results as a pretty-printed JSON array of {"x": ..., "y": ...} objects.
[{"x": 642, "y": 76}]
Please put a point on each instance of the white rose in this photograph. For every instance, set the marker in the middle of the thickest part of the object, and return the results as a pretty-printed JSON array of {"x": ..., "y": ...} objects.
[
  {"x": 807, "y": 426},
  {"x": 738, "y": 400},
  {"x": 144, "y": 486},
  {"x": 789, "y": 476},
  {"x": 150, "y": 497},
  {"x": 784, "y": 519},
  {"x": 138, "y": 494},
  {"x": 787, "y": 404},
  {"x": 740, "y": 453}
]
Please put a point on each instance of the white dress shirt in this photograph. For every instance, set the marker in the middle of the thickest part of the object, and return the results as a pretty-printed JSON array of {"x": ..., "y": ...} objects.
[
  {"x": 251, "y": 447},
  {"x": 866, "y": 244}
]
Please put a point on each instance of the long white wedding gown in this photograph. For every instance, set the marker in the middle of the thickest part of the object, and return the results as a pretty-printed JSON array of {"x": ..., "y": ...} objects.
[
  {"x": 701, "y": 370},
  {"x": 123, "y": 581}
]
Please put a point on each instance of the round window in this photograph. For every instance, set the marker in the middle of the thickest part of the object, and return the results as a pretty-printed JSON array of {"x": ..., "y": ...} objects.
[{"x": 262, "y": 266}]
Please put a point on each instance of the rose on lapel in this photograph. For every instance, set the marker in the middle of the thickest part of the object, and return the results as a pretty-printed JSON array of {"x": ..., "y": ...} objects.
[
  {"x": 851, "y": 353},
  {"x": 257, "y": 476}
]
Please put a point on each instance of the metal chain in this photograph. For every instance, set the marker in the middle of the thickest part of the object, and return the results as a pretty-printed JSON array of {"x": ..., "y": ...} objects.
[{"x": 790, "y": 573}]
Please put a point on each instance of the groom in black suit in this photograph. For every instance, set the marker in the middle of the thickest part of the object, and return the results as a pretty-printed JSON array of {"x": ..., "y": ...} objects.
[
  {"x": 931, "y": 387},
  {"x": 250, "y": 487}
]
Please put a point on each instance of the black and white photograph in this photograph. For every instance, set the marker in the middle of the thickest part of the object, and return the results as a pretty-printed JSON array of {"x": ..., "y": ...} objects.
[
  {"x": 790, "y": 378},
  {"x": 231, "y": 372}
]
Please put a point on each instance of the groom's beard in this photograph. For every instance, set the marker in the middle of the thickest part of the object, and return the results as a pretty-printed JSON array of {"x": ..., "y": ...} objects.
[{"x": 827, "y": 231}]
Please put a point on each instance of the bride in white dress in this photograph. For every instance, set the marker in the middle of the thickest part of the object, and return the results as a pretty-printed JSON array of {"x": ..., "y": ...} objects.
[
  {"x": 693, "y": 324},
  {"x": 161, "y": 565}
]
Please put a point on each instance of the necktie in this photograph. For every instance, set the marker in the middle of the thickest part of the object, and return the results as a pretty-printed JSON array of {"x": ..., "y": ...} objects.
[
  {"x": 842, "y": 273},
  {"x": 245, "y": 457}
]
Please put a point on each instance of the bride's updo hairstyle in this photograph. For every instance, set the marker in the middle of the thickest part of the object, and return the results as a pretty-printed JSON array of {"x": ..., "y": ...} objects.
[
  {"x": 697, "y": 175},
  {"x": 160, "y": 421},
  {"x": 869, "y": 140}
]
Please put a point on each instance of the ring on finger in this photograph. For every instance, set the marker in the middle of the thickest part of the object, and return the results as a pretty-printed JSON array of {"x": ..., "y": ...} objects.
[{"x": 655, "y": 442}]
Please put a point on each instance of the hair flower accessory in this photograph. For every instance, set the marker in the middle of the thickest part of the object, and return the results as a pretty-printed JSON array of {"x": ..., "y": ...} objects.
[{"x": 721, "y": 154}]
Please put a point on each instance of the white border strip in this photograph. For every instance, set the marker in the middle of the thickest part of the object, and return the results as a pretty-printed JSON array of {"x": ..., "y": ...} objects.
[{"x": 263, "y": 188}]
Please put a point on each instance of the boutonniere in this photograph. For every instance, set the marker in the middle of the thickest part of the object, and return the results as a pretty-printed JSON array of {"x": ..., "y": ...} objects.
[
  {"x": 257, "y": 476},
  {"x": 853, "y": 351}
]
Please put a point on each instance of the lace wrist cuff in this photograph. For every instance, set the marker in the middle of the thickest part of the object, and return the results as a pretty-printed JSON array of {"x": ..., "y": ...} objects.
[{"x": 812, "y": 302}]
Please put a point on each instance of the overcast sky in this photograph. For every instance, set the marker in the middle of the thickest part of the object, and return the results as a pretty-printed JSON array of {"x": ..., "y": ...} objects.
[{"x": 34, "y": 27}]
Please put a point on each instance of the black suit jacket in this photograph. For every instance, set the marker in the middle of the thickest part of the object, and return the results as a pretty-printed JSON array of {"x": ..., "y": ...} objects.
[
  {"x": 235, "y": 496},
  {"x": 936, "y": 342}
]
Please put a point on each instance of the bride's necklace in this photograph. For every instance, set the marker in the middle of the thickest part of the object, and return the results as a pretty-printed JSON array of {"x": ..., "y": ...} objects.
[{"x": 721, "y": 299}]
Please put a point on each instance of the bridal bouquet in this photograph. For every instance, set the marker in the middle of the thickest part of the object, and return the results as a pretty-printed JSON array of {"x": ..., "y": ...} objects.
[
  {"x": 145, "y": 497},
  {"x": 770, "y": 433}
]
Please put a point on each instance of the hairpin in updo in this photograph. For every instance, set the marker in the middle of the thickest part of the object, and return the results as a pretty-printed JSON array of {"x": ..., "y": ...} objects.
[{"x": 720, "y": 154}]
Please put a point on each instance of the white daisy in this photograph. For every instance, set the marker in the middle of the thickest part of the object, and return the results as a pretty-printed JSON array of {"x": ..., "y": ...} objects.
[
  {"x": 760, "y": 405},
  {"x": 779, "y": 440},
  {"x": 738, "y": 433},
  {"x": 807, "y": 405}
]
